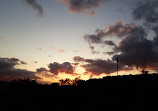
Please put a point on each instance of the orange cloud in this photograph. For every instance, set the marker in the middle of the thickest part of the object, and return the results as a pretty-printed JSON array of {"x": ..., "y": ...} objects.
[{"x": 61, "y": 50}]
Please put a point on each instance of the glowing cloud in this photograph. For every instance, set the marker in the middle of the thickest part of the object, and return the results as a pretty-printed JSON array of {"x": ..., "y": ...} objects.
[{"x": 83, "y": 6}]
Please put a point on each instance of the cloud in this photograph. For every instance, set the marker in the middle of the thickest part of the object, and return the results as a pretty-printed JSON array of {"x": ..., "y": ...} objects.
[
  {"x": 118, "y": 29},
  {"x": 83, "y": 6},
  {"x": 10, "y": 62},
  {"x": 61, "y": 50},
  {"x": 8, "y": 70},
  {"x": 40, "y": 70},
  {"x": 136, "y": 50},
  {"x": 44, "y": 73},
  {"x": 78, "y": 59},
  {"x": 98, "y": 66},
  {"x": 75, "y": 64},
  {"x": 147, "y": 51},
  {"x": 36, "y": 6},
  {"x": 52, "y": 48},
  {"x": 109, "y": 42},
  {"x": 93, "y": 51},
  {"x": 22, "y": 62},
  {"x": 147, "y": 10},
  {"x": 57, "y": 68}
]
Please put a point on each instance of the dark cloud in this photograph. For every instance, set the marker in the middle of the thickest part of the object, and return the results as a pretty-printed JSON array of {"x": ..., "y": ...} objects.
[
  {"x": 8, "y": 70},
  {"x": 35, "y": 5},
  {"x": 94, "y": 38},
  {"x": 75, "y": 64},
  {"x": 109, "y": 42},
  {"x": 99, "y": 66},
  {"x": 147, "y": 10},
  {"x": 44, "y": 73},
  {"x": 136, "y": 50},
  {"x": 40, "y": 70},
  {"x": 57, "y": 68},
  {"x": 118, "y": 29},
  {"x": 83, "y": 6},
  {"x": 155, "y": 40},
  {"x": 93, "y": 51},
  {"x": 54, "y": 69},
  {"x": 78, "y": 59},
  {"x": 22, "y": 62},
  {"x": 10, "y": 62}
]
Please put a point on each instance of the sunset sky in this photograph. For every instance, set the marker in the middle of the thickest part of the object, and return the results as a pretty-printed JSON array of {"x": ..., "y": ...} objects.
[{"x": 49, "y": 40}]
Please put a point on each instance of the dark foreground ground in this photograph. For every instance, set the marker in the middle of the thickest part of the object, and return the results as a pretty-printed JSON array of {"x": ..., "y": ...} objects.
[{"x": 123, "y": 93}]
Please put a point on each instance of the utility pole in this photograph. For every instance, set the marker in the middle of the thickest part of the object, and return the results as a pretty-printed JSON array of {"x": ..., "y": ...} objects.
[{"x": 117, "y": 64}]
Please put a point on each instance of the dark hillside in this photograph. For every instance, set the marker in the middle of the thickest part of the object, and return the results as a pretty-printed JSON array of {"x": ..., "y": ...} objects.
[{"x": 130, "y": 93}]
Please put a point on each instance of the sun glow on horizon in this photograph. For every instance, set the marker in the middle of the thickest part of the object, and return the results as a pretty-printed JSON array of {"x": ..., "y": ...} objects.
[
  {"x": 48, "y": 78},
  {"x": 79, "y": 72}
]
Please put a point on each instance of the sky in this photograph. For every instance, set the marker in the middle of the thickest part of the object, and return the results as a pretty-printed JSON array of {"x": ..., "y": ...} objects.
[{"x": 50, "y": 40}]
